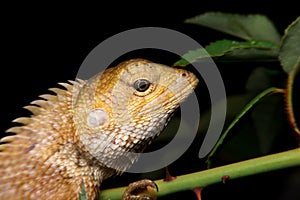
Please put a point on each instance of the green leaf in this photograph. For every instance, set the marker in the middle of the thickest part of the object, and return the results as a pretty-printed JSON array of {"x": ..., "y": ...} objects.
[
  {"x": 248, "y": 27},
  {"x": 231, "y": 50},
  {"x": 82, "y": 193},
  {"x": 246, "y": 110},
  {"x": 191, "y": 57},
  {"x": 289, "y": 54}
]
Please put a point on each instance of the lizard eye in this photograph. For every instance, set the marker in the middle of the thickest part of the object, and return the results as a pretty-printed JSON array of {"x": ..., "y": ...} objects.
[{"x": 141, "y": 85}]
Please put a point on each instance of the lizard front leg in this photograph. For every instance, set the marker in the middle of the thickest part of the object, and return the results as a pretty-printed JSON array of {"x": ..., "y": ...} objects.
[{"x": 141, "y": 190}]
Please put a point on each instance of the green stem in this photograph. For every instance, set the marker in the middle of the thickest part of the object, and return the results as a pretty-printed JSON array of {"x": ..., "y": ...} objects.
[
  {"x": 250, "y": 105},
  {"x": 208, "y": 177}
]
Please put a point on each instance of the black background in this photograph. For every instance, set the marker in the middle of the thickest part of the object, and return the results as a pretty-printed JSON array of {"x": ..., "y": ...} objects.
[{"x": 43, "y": 44}]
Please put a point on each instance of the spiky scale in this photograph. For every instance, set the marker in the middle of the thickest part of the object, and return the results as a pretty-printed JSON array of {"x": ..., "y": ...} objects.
[
  {"x": 42, "y": 103},
  {"x": 78, "y": 81},
  {"x": 12, "y": 138},
  {"x": 33, "y": 109},
  {"x": 66, "y": 85},
  {"x": 16, "y": 129},
  {"x": 49, "y": 97},
  {"x": 23, "y": 120},
  {"x": 57, "y": 91}
]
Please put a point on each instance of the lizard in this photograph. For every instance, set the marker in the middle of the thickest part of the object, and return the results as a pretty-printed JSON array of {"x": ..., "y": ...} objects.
[{"x": 82, "y": 133}]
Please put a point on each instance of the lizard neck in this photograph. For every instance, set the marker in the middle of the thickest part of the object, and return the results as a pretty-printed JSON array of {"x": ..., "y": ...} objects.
[{"x": 66, "y": 157}]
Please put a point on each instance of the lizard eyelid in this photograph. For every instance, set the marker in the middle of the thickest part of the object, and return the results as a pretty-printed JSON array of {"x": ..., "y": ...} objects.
[{"x": 143, "y": 87}]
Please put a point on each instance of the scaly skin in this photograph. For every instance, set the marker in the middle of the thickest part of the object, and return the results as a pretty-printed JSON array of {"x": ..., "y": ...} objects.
[{"x": 85, "y": 132}]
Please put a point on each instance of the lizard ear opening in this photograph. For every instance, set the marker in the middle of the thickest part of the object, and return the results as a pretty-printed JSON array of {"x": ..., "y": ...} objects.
[
  {"x": 142, "y": 87},
  {"x": 96, "y": 118}
]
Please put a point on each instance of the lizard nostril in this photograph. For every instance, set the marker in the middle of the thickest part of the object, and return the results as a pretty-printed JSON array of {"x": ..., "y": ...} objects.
[{"x": 184, "y": 74}]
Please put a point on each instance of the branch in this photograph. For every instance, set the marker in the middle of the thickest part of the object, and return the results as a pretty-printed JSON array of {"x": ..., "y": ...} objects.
[{"x": 208, "y": 177}]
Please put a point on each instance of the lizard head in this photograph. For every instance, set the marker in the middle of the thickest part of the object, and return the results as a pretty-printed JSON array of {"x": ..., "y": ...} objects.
[{"x": 118, "y": 112}]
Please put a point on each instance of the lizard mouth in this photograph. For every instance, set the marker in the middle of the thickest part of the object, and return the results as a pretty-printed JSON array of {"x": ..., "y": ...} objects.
[{"x": 194, "y": 82}]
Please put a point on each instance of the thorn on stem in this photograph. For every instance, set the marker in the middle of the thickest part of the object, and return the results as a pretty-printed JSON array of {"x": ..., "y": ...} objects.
[
  {"x": 225, "y": 178},
  {"x": 169, "y": 177},
  {"x": 198, "y": 191}
]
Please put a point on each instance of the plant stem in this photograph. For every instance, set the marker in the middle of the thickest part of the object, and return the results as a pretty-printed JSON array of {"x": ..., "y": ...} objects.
[{"x": 208, "y": 177}]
